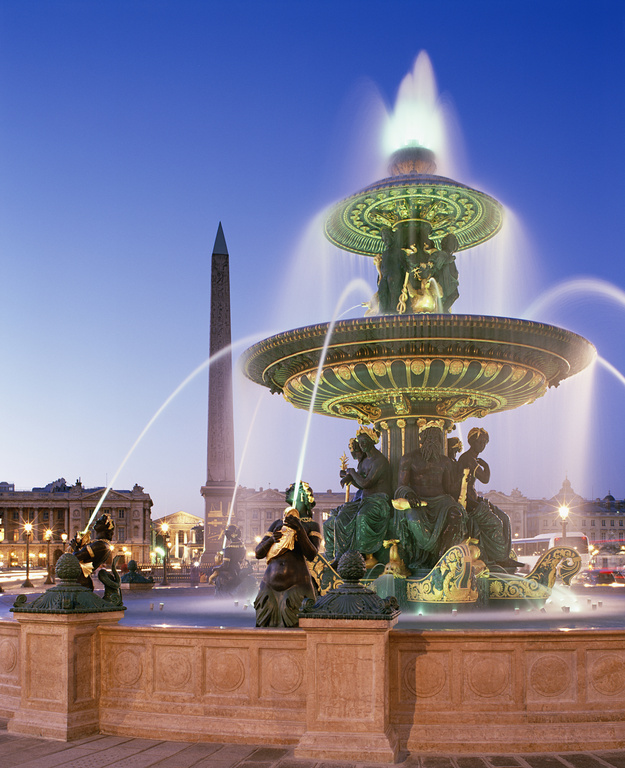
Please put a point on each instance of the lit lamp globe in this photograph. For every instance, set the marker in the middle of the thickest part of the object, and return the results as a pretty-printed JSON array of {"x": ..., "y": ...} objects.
[{"x": 28, "y": 531}]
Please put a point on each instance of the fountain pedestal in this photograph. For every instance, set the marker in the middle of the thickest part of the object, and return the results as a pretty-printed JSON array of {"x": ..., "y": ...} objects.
[
  {"x": 60, "y": 674},
  {"x": 347, "y": 708}
]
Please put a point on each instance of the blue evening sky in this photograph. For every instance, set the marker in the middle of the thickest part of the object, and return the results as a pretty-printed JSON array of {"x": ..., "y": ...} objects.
[{"x": 129, "y": 130}]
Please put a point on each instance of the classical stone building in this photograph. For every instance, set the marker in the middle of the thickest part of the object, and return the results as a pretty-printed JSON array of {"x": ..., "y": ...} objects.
[
  {"x": 601, "y": 519},
  {"x": 185, "y": 535},
  {"x": 255, "y": 510},
  {"x": 66, "y": 509}
]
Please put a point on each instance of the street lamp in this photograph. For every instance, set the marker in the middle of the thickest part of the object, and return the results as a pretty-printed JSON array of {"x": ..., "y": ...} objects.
[
  {"x": 164, "y": 530},
  {"x": 64, "y": 540},
  {"x": 28, "y": 531},
  {"x": 49, "y": 577},
  {"x": 564, "y": 513}
]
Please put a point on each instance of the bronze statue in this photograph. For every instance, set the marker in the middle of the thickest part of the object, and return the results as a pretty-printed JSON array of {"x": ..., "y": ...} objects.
[
  {"x": 290, "y": 541},
  {"x": 486, "y": 522},
  {"x": 454, "y": 446},
  {"x": 134, "y": 576},
  {"x": 391, "y": 267},
  {"x": 433, "y": 521},
  {"x": 226, "y": 574},
  {"x": 92, "y": 553},
  {"x": 445, "y": 270},
  {"x": 329, "y": 533},
  {"x": 361, "y": 524},
  {"x": 420, "y": 292}
]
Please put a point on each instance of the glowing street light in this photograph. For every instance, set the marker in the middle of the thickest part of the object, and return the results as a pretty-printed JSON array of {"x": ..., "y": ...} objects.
[
  {"x": 164, "y": 530},
  {"x": 50, "y": 577},
  {"x": 28, "y": 532},
  {"x": 564, "y": 514},
  {"x": 64, "y": 540}
]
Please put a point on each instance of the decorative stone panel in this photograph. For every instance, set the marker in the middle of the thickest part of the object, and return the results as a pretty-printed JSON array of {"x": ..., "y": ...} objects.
[
  {"x": 487, "y": 677},
  {"x": 551, "y": 677}
]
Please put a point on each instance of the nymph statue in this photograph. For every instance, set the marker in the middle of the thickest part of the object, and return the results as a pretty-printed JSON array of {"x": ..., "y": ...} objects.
[{"x": 361, "y": 524}]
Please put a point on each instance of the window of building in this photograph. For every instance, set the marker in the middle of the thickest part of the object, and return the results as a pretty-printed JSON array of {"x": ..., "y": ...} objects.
[
  {"x": 620, "y": 535},
  {"x": 16, "y": 515},
  {"x": 121, "y": 534},
  {"x": 46, "y": 515},
  {"x": 121, "y": 514},
  {"x": 583, "y": 523},
  {"x": 592, "y": 523},
  {"x": 545, "y": 523},
  {"x": 269, "y": 515},
  {"x": 603, "y": 523},
  {"x": 612, "y": 523},
  {"x": 620, "y": 522}
]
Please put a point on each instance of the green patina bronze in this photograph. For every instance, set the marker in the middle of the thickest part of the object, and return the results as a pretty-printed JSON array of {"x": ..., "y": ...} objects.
[
  {"x": 410, "y": 366},
  {"x": 410, "y": 196},
  {"x": 68, "y": 596},
  {"x": 351, "y": 599}
]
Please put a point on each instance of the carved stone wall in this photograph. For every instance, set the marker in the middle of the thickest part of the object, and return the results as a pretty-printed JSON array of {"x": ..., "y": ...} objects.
[
  {"x": 323, "y": 690},
  {"x": 536, "y": 690},
  {"x": 9, "y": 668},
  {"x": 241, "y": 685}
]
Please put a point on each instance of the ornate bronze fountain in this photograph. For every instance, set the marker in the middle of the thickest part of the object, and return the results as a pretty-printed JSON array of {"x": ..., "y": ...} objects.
[{"x": 409, "y": 359}]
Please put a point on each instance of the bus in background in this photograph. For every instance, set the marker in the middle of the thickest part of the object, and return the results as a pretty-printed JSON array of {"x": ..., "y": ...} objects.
[{"x": 528, "y": 551}]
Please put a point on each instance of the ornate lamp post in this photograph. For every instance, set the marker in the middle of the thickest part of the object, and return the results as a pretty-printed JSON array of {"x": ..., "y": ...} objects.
[
  {"x": 28, "y": 531},
  {"x": 49, "y": 577},
  {"x": 564, "y": 513},
  {"x": 64, "y": 540},
  {"x": 164, "y": 530}
]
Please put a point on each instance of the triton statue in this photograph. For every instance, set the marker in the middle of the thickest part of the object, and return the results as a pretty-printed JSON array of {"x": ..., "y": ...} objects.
[
  {"x": 226, "y": 575},
  {"x": 289, "y": 543},
  {"x": 92, "y": 553}
]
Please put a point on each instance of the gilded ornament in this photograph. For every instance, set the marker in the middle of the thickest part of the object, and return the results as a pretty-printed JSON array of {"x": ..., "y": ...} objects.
[{"x": 456, "y": 367}]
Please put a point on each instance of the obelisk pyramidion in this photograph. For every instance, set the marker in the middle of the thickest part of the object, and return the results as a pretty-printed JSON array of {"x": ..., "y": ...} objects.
[{"x": 220, "y": 477}]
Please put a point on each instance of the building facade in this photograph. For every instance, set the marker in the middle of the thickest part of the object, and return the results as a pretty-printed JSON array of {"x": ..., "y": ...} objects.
[
  {"x": 600, "y": 520},
  {"x": 66, "y": 510},
  {"x": 184, "y": 535}
]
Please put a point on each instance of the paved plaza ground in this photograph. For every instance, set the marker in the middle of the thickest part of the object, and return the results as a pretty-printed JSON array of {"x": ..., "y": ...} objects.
[{"x": 105, "y": 751}]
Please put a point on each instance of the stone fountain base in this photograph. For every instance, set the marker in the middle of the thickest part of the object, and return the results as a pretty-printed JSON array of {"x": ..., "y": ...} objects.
[{"x": 333, "y": 691}]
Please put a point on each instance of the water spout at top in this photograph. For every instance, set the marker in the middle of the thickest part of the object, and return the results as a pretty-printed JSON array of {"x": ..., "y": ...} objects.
[{"x": 418, "y": 118}]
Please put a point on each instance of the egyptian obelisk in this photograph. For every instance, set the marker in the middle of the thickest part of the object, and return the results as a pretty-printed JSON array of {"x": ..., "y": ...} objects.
[{"x": 220, "y": 477}]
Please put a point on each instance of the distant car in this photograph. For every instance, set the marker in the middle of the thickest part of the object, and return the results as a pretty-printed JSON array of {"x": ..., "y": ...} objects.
[{"x": 600, "y": 577}]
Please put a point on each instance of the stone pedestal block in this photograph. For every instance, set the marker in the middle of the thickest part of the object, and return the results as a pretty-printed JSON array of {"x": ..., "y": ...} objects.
[
  {"x": 347, "y": 712},
  {"x": 59, "y": 674}
]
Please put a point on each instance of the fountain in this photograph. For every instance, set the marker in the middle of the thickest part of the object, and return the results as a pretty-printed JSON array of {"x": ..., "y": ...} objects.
[
  {"x": 357, "y": 689},
  {"x": 410, "y": 364}
]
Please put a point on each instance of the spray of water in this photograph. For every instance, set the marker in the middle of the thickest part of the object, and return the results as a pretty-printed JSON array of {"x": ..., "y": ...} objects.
[
  {"x": 609, "y": 367},
  {"x": 242, "y": 460},
  {"x": 574, "y": 288},
  {"x": 354, "y": 285},
  {"x": 417, "y": 118},
  {"x": 203, "y": 366}
]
